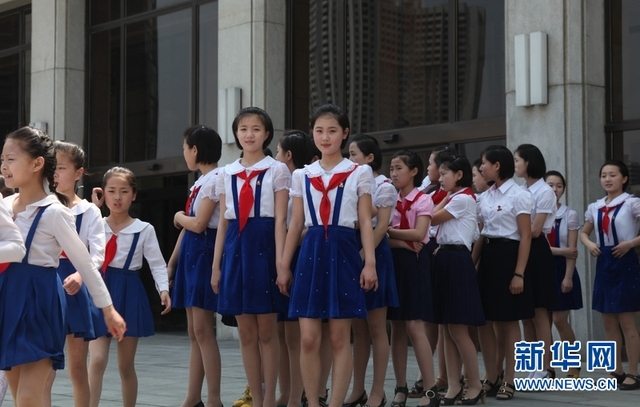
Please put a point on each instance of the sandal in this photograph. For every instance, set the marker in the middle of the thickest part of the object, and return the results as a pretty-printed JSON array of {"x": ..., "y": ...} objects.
[
  {"x": 506, "y": 391},
  {"x": 493, "y": 389},
  {"x": 417, "y": 390},
  {"x": 618, "y": 376},
  {"x": 401, "y": 390},
  {"x": 433, "y": 396},
  {"x": 632, "y": 386},
  {"x": 441, "y": 384}
]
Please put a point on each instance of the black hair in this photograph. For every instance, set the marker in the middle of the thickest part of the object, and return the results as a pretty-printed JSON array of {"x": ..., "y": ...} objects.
[
  {"x": 264, "y": 118},
  {"x": 207, "y": 141},
  {"x": 624, "y": 170},
  {"x": 369, "y": 145},
  {"x": 554, "y": 173},
  {"x": 127, "y": 173},
  {"x": 478, "y": 163},
  {"x": 501, "y": 154},
  {"x": 74, "y": 151},
  {"x": 38, "y": 143},
  {"x": 336, "y": 113},
  {"x": 455, "y": 163},
  {"x": 300, "y": 145},
  {"x": 316, "y": 151},
  {"x": 267, "y": 152},
  {"x": 536, "y": 166},
  {"x": 412, "y": 160},
  {"x": 440, "y": 153},
  {"x": 5, "y": 190}
]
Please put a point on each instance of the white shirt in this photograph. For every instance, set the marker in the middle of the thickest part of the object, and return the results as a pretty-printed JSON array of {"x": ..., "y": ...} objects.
[
  {"x": 626, "y": 221},
  {"x": 384, "y": 196},
  {"x": 360, "y": 182},
  {"x": 56, "y": 231},
  {"x": 568, "y": 221},
  {"x": 207, "y": 184},
  {"x": 500, "y": 207},
  {"x": 12, "y": 248},
  {"x": 463, "y": 228},
  {"x": 275, "y": 179},
  {"x": 545, "y": 203},
  {"x": 433, "y": 230},
  {"x": 147, "y": 246},
  {"x": 91, "y": 230}
]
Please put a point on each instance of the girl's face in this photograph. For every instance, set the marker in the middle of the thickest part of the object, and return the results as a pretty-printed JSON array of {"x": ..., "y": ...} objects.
[
  {"x": 612, "y": 179},
  {"x": 190, "y": 155},
  {"x": 432, "y": 170},
  {"x": 401, "y": 175},
  {"x": 282, "y": 155},
  {"x": 18, "y": 166},
  {"x": 328, "y": 135},
  {"x": 358, "y": 156},
  {"x": 520, "y": 166},
  {"x": 66, "y": 174},
  {"x": 449, "y": 179},
  {"x": 118, "y": 194},
  {"x": 479, "y": 183},
  {"x": 556, "y": 184},
  {"x": 251, "y": 133},
  {"x": 489, "y": 171}
]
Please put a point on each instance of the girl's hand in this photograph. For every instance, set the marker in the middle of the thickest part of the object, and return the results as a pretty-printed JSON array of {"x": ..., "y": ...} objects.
[
  {"x": 215, "y": 279},
  {"x": 115, "y": 324},
  {"x": 570, "y": 252},
  {"x": 517, "y": 285},
  {"x": 284, "y": 280},
  {"x": 594, "y": 250},
  {"x": 621, "y": 249},
  {"x": 97, "y": 196},
  {"x": 176, "y": 223},
  {"x": 72, "y": 284},
  {"x": 165, "y": 300},
  {"x": 567, "y": 285},
  {"x": 171, "y": 272},
  {"x": 369, "y": 278},
  {"x": 417, "y": 247}
]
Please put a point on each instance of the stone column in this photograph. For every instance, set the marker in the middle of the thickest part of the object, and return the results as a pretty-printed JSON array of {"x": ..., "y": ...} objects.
[
  {"x": 58, "y": 67},
  {"x": 569, "y": 130}
]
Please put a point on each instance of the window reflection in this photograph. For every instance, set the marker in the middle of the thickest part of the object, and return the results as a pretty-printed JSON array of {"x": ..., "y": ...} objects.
[
  {"x": 9, "y": 89},
  {"x": 631, "y": 157},
  {"x": 208, "y": 65},
  {"x": 625, "y": 41}
]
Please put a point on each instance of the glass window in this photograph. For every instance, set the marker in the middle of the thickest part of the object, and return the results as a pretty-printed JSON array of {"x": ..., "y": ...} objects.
[
  {"x": 631, "y": 157},
  {"x": 9, "y": 31},
  {"x": 208, "y": 64},
  {"x": 625, "y": 43},
  {"x": 136, "y": 6},
  {"x": 473, "y": 149},
  {"x": 103, "y": 11},
  {"x": 9, "y": 93}
]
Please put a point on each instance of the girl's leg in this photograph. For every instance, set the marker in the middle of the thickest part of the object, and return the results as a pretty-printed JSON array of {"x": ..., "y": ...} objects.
[
  {"x": 500, "y": 356},
  {"x": 434, "y": 333},
  {"x": 270, "y": 352},
  {"x": 127, "y": 368},
  {"x": 196, "y": 368},
  {"x": 250, "y": 352},
  {"x": 203, "y": 328},
  {"x": 27, "y": 382},
  {"x": 424, "y": 354},
  {"x": 361, "y": 352},
  {"x": 99, "y": 357},
  {"x": 543, "y": 333},
  {"x": 77, "y": 350},
  {"x": 561, "y": 321},
  {"x": 399, "y": 357},
  {"x": 612, "y": 333},
  {"x": 284, "y": 374},
  {"x": 377, "y": 320},
  {"x": 454, "y": 363},
  {"x": 46, "y": 395},
  {"x": 467, "y": 351},
  {"x": 340, "y": 330},
  {"x": 326, "y": 353},
  {"x": 310, "y": 365},
  {"x": 631, "y": 341},
  {"x": 510, "y": 331},
  {"x": 292, "y": 336},
  {"x": 488, "y": 347}
]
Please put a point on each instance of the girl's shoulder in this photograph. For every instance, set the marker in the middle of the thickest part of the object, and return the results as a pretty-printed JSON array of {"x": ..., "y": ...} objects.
[{"x": 137, "y": 226}]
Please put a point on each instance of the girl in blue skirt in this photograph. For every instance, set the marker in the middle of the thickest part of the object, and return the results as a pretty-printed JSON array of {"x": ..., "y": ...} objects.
[
  {"x": 253, "y": 193},
  {"x": 329, "y": 197},
  {"x": 32, "y": 301},
  {"x": 364, "y": 150},
  {"x": 617, "y": 282},
  {"x": 128, "y": 241},
  {"x": 563, "y": 239},
  {"x": 190, "y": 263}
]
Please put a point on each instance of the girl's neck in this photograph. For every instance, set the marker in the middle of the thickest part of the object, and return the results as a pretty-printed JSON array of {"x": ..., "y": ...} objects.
[
  {"x": 119, "y": 219},
  {"x": 207, "y": 168},
  {"x": 375, "y": 174},
  {"x": 71, "y": 196},
  {"x": 613, "y": 195},
  {"x": 251, "y": 158},
  {"x": 291, "y": 166},
  {"x": 456, "y": 189},
  {"x": 328, "y": 162},
  {"x": 406, "y": 190},
  {"x": 530, "y": 181},
  {"x": 31, "y": 193},
  {"x": 499, "y": 182},
  {"x": 558, "y": 204}
]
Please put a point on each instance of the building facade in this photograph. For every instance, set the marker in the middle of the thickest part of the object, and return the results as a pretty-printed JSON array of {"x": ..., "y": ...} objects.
[{"x": 125, "y": 77}]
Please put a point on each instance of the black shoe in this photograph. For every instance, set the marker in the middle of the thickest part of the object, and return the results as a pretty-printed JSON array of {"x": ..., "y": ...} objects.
[
  {"x": 466, "y": 401},
  {"x": 493, "y": 388},
  {"x": 382, "y": 403},
  {"x": 199, "y": 404},
  {"x": 633, "y": 386},
  {"x": 434, "y": 397},
  {"x": 449, "y": 401},
  {"x": 402, "y": 390},
  {"x": 361, "y": 401}
]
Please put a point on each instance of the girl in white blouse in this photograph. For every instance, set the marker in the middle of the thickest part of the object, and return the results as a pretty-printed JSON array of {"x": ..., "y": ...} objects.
[{"x": 28, "y": 163}]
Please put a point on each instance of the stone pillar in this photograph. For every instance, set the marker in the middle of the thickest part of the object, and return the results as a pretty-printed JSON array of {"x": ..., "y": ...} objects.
[
  {"x": 569, "y": 130},
  {"x": 58, "y": 67},
  {"x": 252, "y": 57}
]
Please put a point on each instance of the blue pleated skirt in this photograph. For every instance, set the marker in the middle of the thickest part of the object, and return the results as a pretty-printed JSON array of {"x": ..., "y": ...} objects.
[
  {"x": 327, "y": 277},
  {"x": 387, "y": 294},
  {"x": 616, "y": 287},
  {"x": 572, "y": 299},
  {"x": 540, "y": 272},
  {"x": 82, "y": 314},
  {"x": 192, "y": 281},
  {"x": 283, "y": 314},
  {"x": 130, "y": 300},
  {"x": 456, "y": 290},
  {"x": 32, "y": 316},
  {"x": 414, "y": 285},
  {"x": 248, "y": 270}
]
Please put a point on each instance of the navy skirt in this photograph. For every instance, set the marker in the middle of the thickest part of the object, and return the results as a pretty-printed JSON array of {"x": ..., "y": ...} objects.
[
  {"x": 414, "y": 284},
  {"x": 82, "y": 314},
  {"x": 572, "y": 299},
  {"x": 192, "y": 282},
  {"x": 387, "y": 294},
  {"x": 616, "y": 287},
  {"x": 32, "y": 316},
  {"x": 456, "y": 290},
  {"x": 541, "y": 274},
  {"x": 327, "y": 277},
  {"x": 497, "y": 265},
  {"x": 248, "y": 270},
  {"x": 130, "y": 300}
]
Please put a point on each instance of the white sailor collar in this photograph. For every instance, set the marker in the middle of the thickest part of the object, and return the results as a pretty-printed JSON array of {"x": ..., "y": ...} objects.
[
  {"x": 81, "y": 207},
  {"x": 235, "y": 167},
  {"x": 600, "y": 203},
  {"x": 30, "y": 209},
  {"x": 381, "y": 179},
  {"x": 316, "y": 170},
  {"x": 561, "y": 211},
  {"x": 136, "y": 227}
]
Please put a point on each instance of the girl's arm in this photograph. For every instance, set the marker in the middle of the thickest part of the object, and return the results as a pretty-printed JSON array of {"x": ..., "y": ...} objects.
[
  {"x": 567, "y": 282},
  {"x": 291, "y": 244},
  {"x": 477, "y": 246},
  {"x": 593, "y": 248},
  {"x": 198, "y": 223},
  {"x": 384, "y": 216},
  {"x": 11, "y": 245},
  {"x": 538, "y": 223},
  {"x": 281, "y": 204},
  {"x": 412, "y": 235},
  {"x": 524, "y": 228},
  {"x": 223, "y": 225},
  {"x": 441, "y": 215},
  {"x": 368, "y": 277},
  {"x": 151, "y": 252},
  {"x": 173, "y": 260}
]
